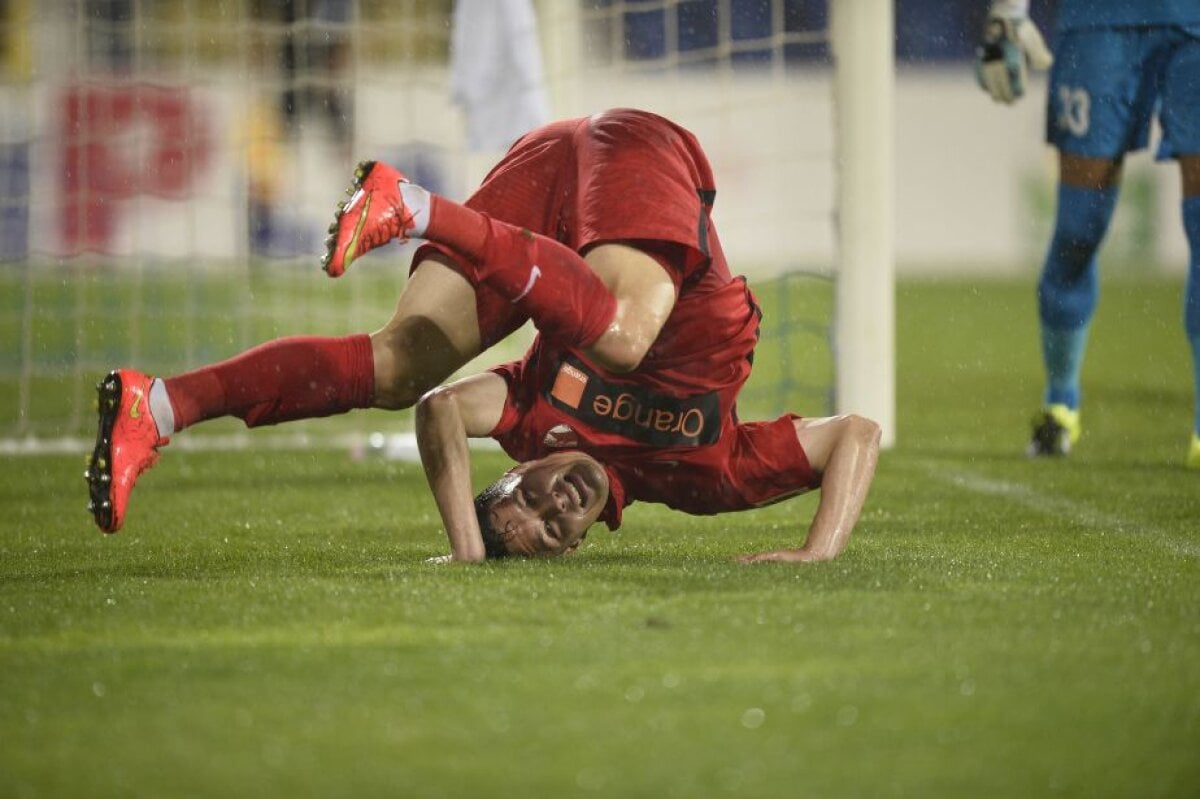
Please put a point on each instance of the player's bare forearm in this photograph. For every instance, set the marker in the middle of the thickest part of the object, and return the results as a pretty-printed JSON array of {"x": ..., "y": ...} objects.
[
  {"x": 645, "y": 297},
  {"x": 446, "y": 417},
  {"x": 845, "y": 453},
  {"x": 844, "y": 486},
  {"x": 442, "y": 441}
]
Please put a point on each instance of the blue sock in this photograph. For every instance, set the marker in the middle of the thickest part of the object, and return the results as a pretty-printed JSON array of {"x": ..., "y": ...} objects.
[
  {"x": 1069, "y": 286},
  {"x": 1062, "y": 352},
  {"x": 1196, "y": 377},
  {"x": 1191, "y": 301}
]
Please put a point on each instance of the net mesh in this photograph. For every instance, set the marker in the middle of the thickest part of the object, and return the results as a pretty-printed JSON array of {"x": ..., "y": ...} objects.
[{"x": 168, "y": 168}]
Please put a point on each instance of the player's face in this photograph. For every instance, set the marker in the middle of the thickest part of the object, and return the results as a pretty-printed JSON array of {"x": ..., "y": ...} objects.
[{"x": 549, "y": 504}]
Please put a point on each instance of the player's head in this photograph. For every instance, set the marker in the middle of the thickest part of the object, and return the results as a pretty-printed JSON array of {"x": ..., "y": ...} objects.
[{"x": 543, "y": 507}]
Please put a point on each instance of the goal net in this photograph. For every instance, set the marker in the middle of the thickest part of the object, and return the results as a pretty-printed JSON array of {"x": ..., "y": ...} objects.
[{"x": 168, "y": 168}]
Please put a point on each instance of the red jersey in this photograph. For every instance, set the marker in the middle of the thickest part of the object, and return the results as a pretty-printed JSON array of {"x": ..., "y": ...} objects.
[
  {"x": 667, "y": 432},
  {"x": 744, "y": 465}
]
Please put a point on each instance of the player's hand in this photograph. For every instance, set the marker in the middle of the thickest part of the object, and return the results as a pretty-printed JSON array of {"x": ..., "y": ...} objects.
[
  {"x": 439, "y": 559},
  {"x": 1009, "y": 44},
  {"x": 782, "y": 556}
]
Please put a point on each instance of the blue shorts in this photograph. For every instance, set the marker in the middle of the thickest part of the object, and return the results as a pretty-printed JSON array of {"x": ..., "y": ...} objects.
[{"x": 1108, "y": 83}]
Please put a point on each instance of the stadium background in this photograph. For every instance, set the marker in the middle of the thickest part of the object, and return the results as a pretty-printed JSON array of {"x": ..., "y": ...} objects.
[
  {"x": 181, "y": 159},
  {"x": 278, "y": 120}
]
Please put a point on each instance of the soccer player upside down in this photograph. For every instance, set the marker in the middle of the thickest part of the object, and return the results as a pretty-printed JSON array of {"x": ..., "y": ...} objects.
[{"x": 599, "y": 230}]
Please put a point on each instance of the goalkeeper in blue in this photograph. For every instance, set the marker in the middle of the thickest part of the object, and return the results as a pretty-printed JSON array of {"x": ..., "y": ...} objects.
[{"x": 1119, "y": 63}]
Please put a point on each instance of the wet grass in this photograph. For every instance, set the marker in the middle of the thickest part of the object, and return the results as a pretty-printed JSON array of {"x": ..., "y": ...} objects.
[{"x": 265, "y": 625}]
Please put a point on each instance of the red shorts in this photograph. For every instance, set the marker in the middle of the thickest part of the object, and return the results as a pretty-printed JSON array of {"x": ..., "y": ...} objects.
[{"x": 621, "y": 175}]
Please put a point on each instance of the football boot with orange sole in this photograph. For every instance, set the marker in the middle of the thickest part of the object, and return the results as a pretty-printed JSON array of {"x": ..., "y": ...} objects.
[
  {"x": 127, "y": 443},
  {"x": 374, "y": 215}
]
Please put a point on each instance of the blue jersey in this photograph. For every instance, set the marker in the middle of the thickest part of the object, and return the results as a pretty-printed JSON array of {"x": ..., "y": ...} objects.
[{"x": 1086, "y": 14}]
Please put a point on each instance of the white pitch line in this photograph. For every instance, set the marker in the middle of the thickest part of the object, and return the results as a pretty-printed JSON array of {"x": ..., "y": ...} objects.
[{"x": 1057, "y": 506}]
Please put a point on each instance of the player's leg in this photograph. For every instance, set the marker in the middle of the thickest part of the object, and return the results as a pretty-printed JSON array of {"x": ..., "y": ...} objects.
[
  {"x": 1067, "y": 293},
  {"x": 1102, "y": 94},
  {"x": 1180, "y": 118},
  {"x": 433, "y": 332},
  {"x": 290, "y": 378},
  {"x": 570, "y": 303},
  {"x": 1190, "y": 167}
]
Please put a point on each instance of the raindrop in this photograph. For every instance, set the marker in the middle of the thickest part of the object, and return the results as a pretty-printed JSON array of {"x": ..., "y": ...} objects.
[
  {"x": 847, "y": 715},
  {"x": 753, "y": 718}
]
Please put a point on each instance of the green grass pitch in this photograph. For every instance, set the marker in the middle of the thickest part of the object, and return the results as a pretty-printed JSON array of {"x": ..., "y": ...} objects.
[{"x": 266, "y": 626}]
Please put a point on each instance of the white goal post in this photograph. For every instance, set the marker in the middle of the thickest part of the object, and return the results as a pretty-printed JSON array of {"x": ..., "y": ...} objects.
[{"x": 862, "y": 36}]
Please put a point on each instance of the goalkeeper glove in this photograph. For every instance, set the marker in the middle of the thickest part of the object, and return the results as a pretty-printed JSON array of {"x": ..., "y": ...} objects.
[{"x": 1009, "y": 43}]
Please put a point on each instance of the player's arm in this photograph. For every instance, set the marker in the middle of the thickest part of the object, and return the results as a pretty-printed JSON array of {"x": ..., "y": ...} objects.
[
  {"x": 645, "y": 296},
  {"x": 1011, "y": 43},
  {"x": 843, "y": 450},
  {"x": 446, "y": 417}
]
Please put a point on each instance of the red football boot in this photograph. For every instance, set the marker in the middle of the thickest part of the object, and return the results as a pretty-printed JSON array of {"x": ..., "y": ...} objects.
[
  {"x": 373, "y": 216},
  {"x": 127, "y": 443}
]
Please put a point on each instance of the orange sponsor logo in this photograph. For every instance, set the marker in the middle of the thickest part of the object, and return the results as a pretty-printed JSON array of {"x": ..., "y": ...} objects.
[{"x": 569, "y": 385}]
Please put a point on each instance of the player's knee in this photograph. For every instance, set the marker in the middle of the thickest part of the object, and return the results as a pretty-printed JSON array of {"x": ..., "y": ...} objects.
[
  {"x": 1191, "y": 305},
  {"x": 1065, "y": 305},
  {"x": 397, "y": 388},
  {"x": 1068, "y": 288},
  {"x": 411, "y": 356},
  {"x": 395, "y": 397},
  {"x": 1079, "y": 228},
  {"x": 396, "y": 385},
  {"x": 1071, "y": 260}
]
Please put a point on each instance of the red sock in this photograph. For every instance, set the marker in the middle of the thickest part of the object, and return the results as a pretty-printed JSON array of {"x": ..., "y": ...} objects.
[
  {"x": 300, "y": 377},
  {"x": 550, "y": 282}
]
